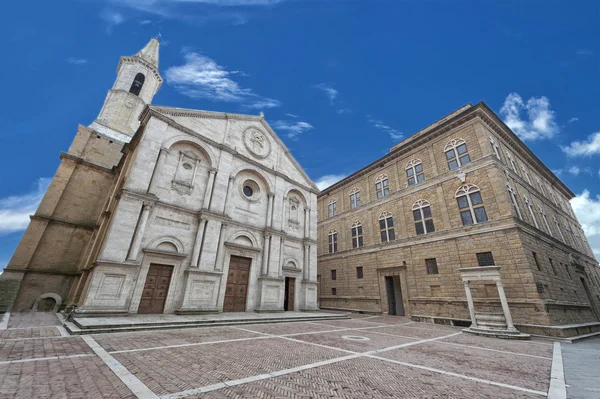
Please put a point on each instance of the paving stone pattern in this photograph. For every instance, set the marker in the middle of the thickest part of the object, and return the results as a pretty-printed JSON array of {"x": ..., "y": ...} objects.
[{"x": 253, "y": 352}]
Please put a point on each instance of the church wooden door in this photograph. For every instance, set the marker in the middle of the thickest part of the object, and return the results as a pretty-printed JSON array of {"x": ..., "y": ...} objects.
[
  {"x": 156, "y": 288},
  {"x": 237, "y": 284},
  {"x": 288, "y": 302}
]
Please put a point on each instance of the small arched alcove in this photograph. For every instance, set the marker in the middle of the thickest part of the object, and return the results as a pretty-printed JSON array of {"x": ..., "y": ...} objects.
[{"x": 48, "y": 302}]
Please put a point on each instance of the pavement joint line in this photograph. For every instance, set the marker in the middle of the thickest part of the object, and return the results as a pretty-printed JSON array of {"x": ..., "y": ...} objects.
[
  {"x": 468, "y": 346},
  {"x": 4, "y": 321},
  {"x": 29, "y": 338},
  {"x": 186, "y": 345},
  {"x": 137, "y": 387},
  {"x": 558, "y": 389},
  {"x": 449, "y": 373},
  {"x": 35, "y": 359},
  {"x": 357, "y": 328},
  {"x": 63, "y": 331},
  {"x": 390, "y": 348}
]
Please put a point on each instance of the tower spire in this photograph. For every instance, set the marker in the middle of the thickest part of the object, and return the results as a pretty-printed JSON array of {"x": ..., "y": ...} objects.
[{"x": 150, "y": 52}]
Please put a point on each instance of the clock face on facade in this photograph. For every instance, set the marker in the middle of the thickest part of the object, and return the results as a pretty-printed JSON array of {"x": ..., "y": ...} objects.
[{"x": 257, "y": 143}]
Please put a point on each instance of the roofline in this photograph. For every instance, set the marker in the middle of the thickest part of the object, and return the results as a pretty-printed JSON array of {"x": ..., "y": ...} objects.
[{"x": 409, "y": 144}]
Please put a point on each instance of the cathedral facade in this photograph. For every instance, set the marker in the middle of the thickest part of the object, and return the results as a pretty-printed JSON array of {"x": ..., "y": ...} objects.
[
  {"x": 457, "y": 222},
  {"x": 168, "y": 210}
]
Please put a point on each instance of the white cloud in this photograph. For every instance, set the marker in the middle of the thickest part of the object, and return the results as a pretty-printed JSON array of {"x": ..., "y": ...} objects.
[
  {"x": 573, "y": 120},
  {"x": 291, "y": 115},
  {"x": 574, "y": 170},
  {"x": 540, "y": 123},
  {"x": 343, "y": 111},
  {"x": 328, "y": 180},
  {"x": 587, "y": 210},
  {"x": 329, "y": 91},
  {"x": 201, "y": 77},
  {"x": 584, "y": 51},
  {"x": 76, "y": 61},
  {"x": 293, "y": 129},
  {"x": 15, "y": 210},
  {"x": 111, "y": 18},
  {"x": 586, "y": 148},
  {"x": 393, "y": 133},
  {"x": 145, "y": 22}
]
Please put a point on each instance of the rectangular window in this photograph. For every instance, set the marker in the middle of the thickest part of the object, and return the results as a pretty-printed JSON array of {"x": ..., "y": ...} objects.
[
  {"x": 552, "y": 265},
  {"x": 333, "y": 243},
  {"x": 537, "y": 263},
  {"x": 355, "y": 200},
  {"x": 568, "y": 271},
  {"x": 386, "y": 227},
  {"x": 333, "y": 291},
  {"x": 332, "y": 209},
  {"x": 359, "y": 272},
  {"x": 333, "y": 274},
  {"x": 357, "y": 237},
  {"x": 382, "y": 188},
  {"x": 485, "y": 259},
  {"x": 431, "y": 265},
  {"x": 423, "y": 220}
]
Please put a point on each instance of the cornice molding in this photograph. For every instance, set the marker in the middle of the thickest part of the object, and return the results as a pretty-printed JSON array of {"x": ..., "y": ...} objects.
[
  {"x": 65, "y": 222},
  {"x": 81, "y": 161},
  {"x": 134, "y": 59}
]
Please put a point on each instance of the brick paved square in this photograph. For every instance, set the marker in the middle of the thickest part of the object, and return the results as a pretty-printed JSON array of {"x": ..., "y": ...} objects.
[
  {"x": 179, "y": 369},
  {"x": 31, "y": 332},
  {"x": 32, "y": 319},
  {"x": 366, "y": 378},
  {"x": 389, "y": 320},
  {"x": 348, "y": 323},
  {"x": 86, "y": 378},
  {"x": 404, "y": 331},
  {"x": 289, "y": 328},
  {"x": 369, "y": 341},
  {"x": 35, "y": 348},
  {"x": 125, "y": 341},
  {"x": 527, "y": 372},
  {"x": 535, "y": 348}
]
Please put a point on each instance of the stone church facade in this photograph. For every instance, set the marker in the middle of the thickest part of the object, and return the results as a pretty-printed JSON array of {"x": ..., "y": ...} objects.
[
  {"x": 464, "y": 192},
  {"x": 167, "y": 210}
]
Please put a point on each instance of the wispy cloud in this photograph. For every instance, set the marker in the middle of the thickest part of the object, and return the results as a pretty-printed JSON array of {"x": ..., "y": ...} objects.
[
  {"x": 15, "y": 210},
  {"x": 343, "y": 111},
  {"x": 291, "y": 115},
  {"x": 584, "y": 51},
  {"x": 393, "y": 133},
  {"x": 573, "y": 120},
  {"x": 574, "y": 170},
  {"x": 201, "y": 77},
  {"x": 586, "y": 148},
  {"x": 293, "y": 129},
  {"x": 540, "y": 123},
  {"x": 145, "y": 22},
  {"x": 328, "y": 180},
  {"x": 587, "y": 209},
  {"x": 112, "y": 18},
  {"x": 76, "y": 61},
  {"x": 329, "y": 91}
]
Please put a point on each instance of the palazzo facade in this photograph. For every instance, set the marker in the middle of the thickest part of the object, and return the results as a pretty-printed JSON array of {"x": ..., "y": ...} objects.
[
  {"x": 464, "y": 192},
  {"x": 168, "y": 210}
]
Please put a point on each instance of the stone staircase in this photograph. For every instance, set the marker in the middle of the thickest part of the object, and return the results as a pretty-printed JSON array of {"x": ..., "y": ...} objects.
[{"x": 494, "y": 325}]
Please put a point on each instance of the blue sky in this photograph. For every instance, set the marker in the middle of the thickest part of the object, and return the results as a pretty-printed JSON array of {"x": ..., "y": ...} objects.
[{"x": 340, "y": 81}]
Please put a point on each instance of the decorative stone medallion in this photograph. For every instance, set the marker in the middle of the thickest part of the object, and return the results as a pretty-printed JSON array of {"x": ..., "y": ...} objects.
[{"x": 257, "y": 143}]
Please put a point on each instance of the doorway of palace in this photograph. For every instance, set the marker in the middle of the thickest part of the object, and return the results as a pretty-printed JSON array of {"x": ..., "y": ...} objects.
[
  {"x": 156, "y": 288},
  {"x": 237, "y": 284},
  {"x": 394, "y": 296},
  {"x": 288, "y": 302}
]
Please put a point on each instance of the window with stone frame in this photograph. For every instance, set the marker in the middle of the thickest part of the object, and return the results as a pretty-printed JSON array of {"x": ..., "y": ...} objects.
[
  {"x": 545, "y": 219},
  {"x": 494, "y": 147},
  {"x": 357, "y": 234},
  {"x": 386, "y": 227},
  {"x": 537, "y": 262},
  {"x": 531, "y": 213},
  {"x": 332, "y": 208},
  {"x": 552, "y": 265},
  {"x": 513, "y": 199},
  {"x": 511, "y": 162},
  {"x": 470, "y": 205},
  {"x": 525, "y": 174},
  {"x": 359, "y": 272},
  {"x": 382, "y": 186},
  {"x": 185, "y": 173},
  {"x": 333, "y": 244},
  {"x": 562, "y": 237},
  {"x": 414, "y": 172},
  {"x": 457, "y": 153},
  {"x": 333, "y": 274},
  {"x": 354, "y": 198},
  {"x": 294, "y": 210},
  {"x": 431, "y": 266},
  {"x": 540, "y": 185},
  {"x": 485, "y": 259},
  {"x": 423, "y": 219},
  {"x": 334, "y": 291}
]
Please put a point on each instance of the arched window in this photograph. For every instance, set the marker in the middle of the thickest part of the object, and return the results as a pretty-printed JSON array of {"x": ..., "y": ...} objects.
[
  {"x": 530, "y": 207},
  {"x": 354, "y": 198},
  {"x": 137, "y": 84},
  {"x": 543, "y": 213},
  {"x": 332, "y": 208},
  {"x": 423, "y": 219},
  {"x": 457, "y": 153},
  {"x": 524, "y": 170},
  {"x": 511, "y": 161},
  {"x": 382, "y": 186},
  {"x": 414, "y": 172},
  {"x": 386, "y": 227},
  {"x": 332, "y": 241},
  {"x": 494, "y": 147},
  {"x": 513, "y": 200},
  {"x": 357, "y": 234},
  {"x": 540, "y": 185},
  {"x": 470, "y": 205},
  {"x": 562, "y": 237}
]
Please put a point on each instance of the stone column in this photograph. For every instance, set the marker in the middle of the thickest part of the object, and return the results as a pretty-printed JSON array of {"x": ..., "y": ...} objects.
[
  {"x": 470, "y": 302},
  {"x": 265, "y": 258},
  {"x": 305, "y": 264},
  {"x": 217, "y": 266},
  {"x": 280, "y": 269},
  {"x": 306, "y": 222},
  {"x": 159, "y": 161},
  {"x": 139, "y": 232},
  {"x": 198, "y": 242},
  {"x": 270, "y": 203},
  {"x": 283, "y": 209},
  {"x": 209, "y": 188},
  {"x": 505, "y": 308},
  {"x": 230, "y": 184}
]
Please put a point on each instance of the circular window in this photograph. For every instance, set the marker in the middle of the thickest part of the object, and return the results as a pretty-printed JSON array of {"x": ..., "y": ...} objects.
[
  {"x": 248, "y": 191},
  {"x": 187, "y": 166}
]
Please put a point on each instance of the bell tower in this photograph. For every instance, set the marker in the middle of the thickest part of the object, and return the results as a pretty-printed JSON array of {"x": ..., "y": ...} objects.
[{"x": 137, "y": 82}]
